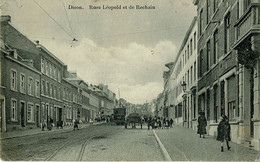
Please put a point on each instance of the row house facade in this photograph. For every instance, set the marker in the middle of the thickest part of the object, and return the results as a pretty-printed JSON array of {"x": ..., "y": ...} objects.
[
  {"x": 107, "y": 100},
  {"x": 167, "y": 93},
  {"x": 159, "y": 105},
  {"x": 247, "y": 46},
  {"x": 20, "y": 91},
  {"x": 51, "y": 85},
  {"x": 228, "y": 74},
  {"x": 182, "y": 104},
  {"x": 36, "y": 85}
]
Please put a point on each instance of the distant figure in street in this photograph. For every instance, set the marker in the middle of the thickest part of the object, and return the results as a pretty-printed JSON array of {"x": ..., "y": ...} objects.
[
  {"x": 49, "y": 123},
  {"x": 76, "y": 122},
  {"x": 171, "y": 122},
  {"x": 202, "y": 123},
  {"x": 43, "y": 124},
  {"x": 167, "y": 123},
  {"x": 90, "y": 121},
  {"x": 164, "y": 122},
  {"x": 224, "y": 132},
  {"x": 159, "y": 123}
]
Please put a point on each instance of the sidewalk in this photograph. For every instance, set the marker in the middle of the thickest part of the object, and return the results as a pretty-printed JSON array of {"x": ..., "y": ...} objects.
[
  {"x": 29, "y": 132},
  {"x": 184, "y": 144}
]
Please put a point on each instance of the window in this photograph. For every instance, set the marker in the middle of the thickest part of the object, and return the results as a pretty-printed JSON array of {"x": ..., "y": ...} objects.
[
  {"x": 54, "y": 92},
  {"x": 47, "y": 68},
  {"x": 188, "y": 52},
  {"x": 59, "y": 76},
  {"x": 47, "y": 89},
  {"x": 191, "y": 73},
  {"x": 102, "y": 103},
  {"x": 188, "y": 78},
  {"x": 227, "y": 33},
  {"x": 30, "y": 112},
  {"x": 185, "y": 56},
  {"x": 201, "y": 21},
  {"x": 13, "y": 80},
  {"x": 42, "y": 87},
  {"x": 30, "y": 86},
  {"x": 208, "y": 11},
  {"x": 50, "y": 70},
  {"x": 231, "y": 110},
  {"x": 201, "y": 63},
  {"x": 195, "y": 39},
  {"x": 195, "y": 71},
  {"x": 22, "y": 83},
  {"x": 215, "y": 55},
  {"x": 43, "y": 110},
  {"x": 64, "y": 93},
  {"x": 37, "y": 88},
  {"x": 54, "y": 73},
  {"x": 51, "y": 87},
  {"x": 59, "y": 97},
  {"x": 191, "y": 47},
  {"x": 208, "y": 55},
  {"x": 13, "y": 110},
  {"x": 42, "y": 65}
]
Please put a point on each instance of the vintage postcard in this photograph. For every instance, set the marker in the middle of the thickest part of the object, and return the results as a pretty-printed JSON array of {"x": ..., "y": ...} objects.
[{"x": 130, "y": 80}]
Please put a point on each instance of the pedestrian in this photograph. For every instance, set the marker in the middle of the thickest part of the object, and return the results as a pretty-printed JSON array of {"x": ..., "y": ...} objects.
[
  {"x": 167, "y": 123},
  {"x": 43, "y": 124},
  {"x": 224, "y": 132},
  {"x": 149, "y": 122},
  {"x": 90, "y": 121},
  {"x": 49, "y": 123},
  {"x": 159, "y": 123},
  {"x": 171, "y": 122},
  {"x": 164, "y": 122},
  {"x": 202, "y": 123},
  {"x": 76, "y": 122}
]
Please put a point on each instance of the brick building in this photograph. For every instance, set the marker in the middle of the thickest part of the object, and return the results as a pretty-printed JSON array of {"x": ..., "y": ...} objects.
[
  {"x": 247, "y": 36},
  {"x": 217, "y": 66},
  {"x": 20, "y": 91},
  {"x": 180, "y": 105},
  {"x": 51, "y": 76},
  {"x": 228, "y": 55}
]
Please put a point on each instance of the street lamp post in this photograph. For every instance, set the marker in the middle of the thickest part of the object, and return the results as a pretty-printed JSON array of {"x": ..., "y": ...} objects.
[{"x": 185, "y": 100}]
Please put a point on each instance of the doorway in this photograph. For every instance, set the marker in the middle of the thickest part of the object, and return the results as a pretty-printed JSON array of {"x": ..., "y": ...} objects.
[
  {"x": 22, "y": 114},
  {"x": 252, "y": 102},
  {"x": 37, "y": 117}
]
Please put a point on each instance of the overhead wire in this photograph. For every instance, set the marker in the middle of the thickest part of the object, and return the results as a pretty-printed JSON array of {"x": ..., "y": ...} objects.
[
  {"x": 68, "y": 19},
  {"x": 53, "y": 19}
]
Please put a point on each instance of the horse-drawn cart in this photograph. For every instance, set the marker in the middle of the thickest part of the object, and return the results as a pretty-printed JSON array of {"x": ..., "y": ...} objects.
[{"x": 133, "y": 119}]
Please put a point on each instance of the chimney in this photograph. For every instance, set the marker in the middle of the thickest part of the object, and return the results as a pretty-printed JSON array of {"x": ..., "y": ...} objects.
[
  {"x": 15, "y": 54},
  {"x": 37, "y": 42},
  {"x": 2, "y": 42},
  {"x": 5, "y": 18}
]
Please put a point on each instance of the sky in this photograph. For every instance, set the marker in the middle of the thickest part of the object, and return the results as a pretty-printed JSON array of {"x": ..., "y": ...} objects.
[{"x": 126, "y": 49}]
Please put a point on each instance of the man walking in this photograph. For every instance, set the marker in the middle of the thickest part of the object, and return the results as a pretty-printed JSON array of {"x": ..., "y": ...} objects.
[{"x": 224, "y": 132}]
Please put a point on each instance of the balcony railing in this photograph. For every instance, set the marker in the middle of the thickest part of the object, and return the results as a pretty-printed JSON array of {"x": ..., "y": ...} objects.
[{"x": 248, "y": 23}]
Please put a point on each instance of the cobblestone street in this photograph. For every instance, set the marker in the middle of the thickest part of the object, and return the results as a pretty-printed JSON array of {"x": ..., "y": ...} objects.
[{"x": 110, "y": 142}]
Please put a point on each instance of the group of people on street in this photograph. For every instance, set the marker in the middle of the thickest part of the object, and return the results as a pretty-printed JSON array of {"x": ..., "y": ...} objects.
[
  {"x": 159, "y": 123},
  {"x": 223, "y": 130},
  {"x": 49, "y": 123}
]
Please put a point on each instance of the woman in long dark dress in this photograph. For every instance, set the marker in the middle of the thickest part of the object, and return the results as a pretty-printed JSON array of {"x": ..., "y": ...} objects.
[
  {"x": 224, "y": 132},
  {"x": 202, "y": 123}
]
